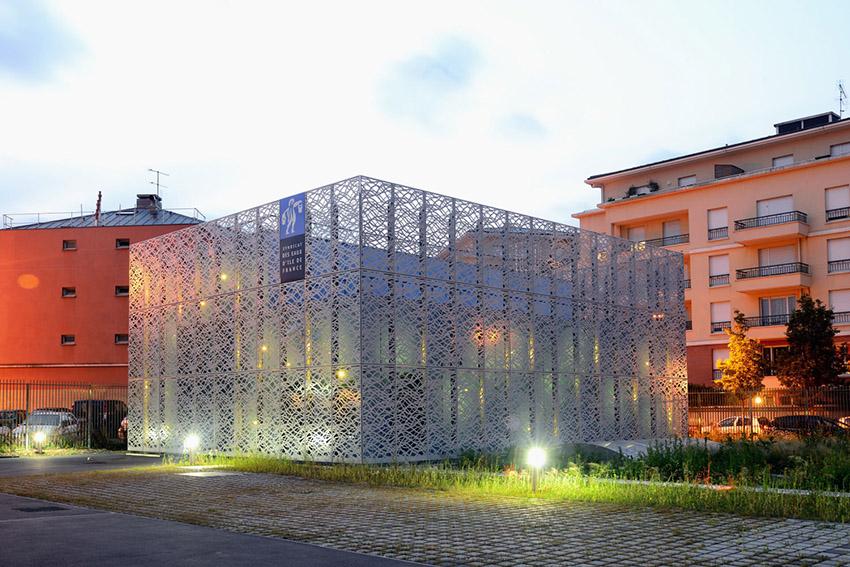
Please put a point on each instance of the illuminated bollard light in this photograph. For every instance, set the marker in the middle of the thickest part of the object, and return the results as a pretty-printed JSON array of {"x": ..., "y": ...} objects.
[
  {"x": 39, "y": 438},
  {"x": 536, "y": 459}
]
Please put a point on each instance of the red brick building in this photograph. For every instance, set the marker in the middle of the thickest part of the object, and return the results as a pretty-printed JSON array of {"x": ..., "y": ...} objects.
[{"x": 63, "y": 292}]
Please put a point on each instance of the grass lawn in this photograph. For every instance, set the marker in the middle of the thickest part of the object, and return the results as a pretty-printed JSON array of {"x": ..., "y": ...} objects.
[{"x": 815, "y": 466}]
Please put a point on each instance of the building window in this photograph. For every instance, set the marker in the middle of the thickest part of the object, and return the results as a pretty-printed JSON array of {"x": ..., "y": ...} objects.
[
  {"x": 122, "y": 243},
  {"x": 772, "y": 355},
  {"x": 775, "y": 206},
  {"x": 777, "y": 255},
  {"x": 69, "y": 292},
  {"x": 122, "y": 290},
  {"x": 775, "y": 310},
  {"x": 122, "y": 339},
  {"x": 68, "y": 340},
  {"x": 783, "y": 161},
  {"x": 687, "y": 181},
  {"x": 837, "y": 203},
  {"x": 718, "y": 224},
  {"x": 721, "y": 316},
  {"x": 839, "y": 149},
  {"x": 839, "y": 302},
  {"x": 838, "y": 255},
  {"x": 718, "y": 355},
  {"x": 718, "y": 270},
  {"x": 637, "y": 234},
  {"x": 69, "y": 245}
]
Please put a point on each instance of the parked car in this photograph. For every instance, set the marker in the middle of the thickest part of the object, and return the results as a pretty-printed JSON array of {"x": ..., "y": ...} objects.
[
  {"x": 807, "y": 424},
  {"x": 737, "y": 424},
  {"x": 10, "y": 419},
  {"x": 845, "y": 421},
  {"x": 55, "y": 425},
  {"x": 105, "y": 419}
]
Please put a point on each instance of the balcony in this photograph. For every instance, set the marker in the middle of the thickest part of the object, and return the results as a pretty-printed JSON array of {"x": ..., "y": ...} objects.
[
  {"x": 771, "y": 227},
  {"x": 838, "y": 266},
  {"x": 669, "y": 240},
  {"x": 774, "y": 270},
  {"x": 841, "y": 317},
  {"x": 687, "y": 284},
  {"x": 838, "y": 214},
  {"x": 767, "y": 320},
  {"x": 718, "y": 233},
  {"x": 721, "y": 279},
  {"x": 790, "y": 275},
  {"x": 718, "y": 326}
]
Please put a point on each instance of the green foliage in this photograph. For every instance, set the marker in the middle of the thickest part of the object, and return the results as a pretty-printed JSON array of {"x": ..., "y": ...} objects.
[
  {"x": 743, "y": 371},
  {"x": 812, "y": 358}
]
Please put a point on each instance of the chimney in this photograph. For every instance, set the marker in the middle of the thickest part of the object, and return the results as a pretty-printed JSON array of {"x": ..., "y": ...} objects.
[{"x": 148, "y": 201}]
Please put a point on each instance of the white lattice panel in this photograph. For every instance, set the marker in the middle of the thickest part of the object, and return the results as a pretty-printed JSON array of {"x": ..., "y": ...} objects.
[{"x": 425, "y": 326}]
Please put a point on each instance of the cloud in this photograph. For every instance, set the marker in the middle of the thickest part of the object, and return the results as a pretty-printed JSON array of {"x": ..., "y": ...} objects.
[
  {"x": 522, "y": 126},
  {"x": 33, "y": 43},
  {"x": 423, "y": 88}
]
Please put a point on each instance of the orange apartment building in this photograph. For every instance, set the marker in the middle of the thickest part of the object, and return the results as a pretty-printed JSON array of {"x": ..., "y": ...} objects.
[
  {"x": 64, "y": 292},
  {"x": 759, "y": 223}
]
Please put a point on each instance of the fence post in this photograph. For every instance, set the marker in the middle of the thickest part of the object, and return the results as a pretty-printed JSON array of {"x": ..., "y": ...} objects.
[
  {"x": 88, "y": 419},
  {"x": 27, "y": 422}
]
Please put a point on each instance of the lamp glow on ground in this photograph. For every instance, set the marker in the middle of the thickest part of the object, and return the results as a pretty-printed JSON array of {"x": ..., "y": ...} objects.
[{"x": 536, "y": 460}]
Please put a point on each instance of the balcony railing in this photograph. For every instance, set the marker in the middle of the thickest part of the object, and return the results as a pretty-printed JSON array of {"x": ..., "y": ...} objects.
[
  {"x": 841, "y": 316},
  {"x": 767, "y": 320},
  {"x": 835, "y": 214},
  {"x": 768, "y": 220},
  {"x": 774, "y": 270},
  {"x": 669, "y": 240},
  {"x": 716, "y": 374},
  {"x": 689, "y": 325},
  {"x": 722, "y": 279},
  {"x": 718, "y": 233},
  {"x": 718, "y": 326},
  {"x": 834, "y": 266},
  {"x": 687, "y": 284}
]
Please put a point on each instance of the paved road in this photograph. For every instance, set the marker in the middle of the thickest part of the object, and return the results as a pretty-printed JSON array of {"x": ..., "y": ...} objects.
[
  {"x": 71, "y": 463},
  {"x": 38, "y": 533}
]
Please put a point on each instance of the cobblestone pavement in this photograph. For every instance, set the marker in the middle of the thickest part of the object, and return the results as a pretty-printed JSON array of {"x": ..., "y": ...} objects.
[{"x": 438, "y": 529}]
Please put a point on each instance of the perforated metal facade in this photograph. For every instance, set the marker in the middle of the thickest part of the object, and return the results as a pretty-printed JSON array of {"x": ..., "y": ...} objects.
[{"x": 424, "y": 326}]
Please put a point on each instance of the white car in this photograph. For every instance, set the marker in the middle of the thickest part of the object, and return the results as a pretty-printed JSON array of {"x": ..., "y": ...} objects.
[
  {"x": 736, "y": 424},
  {"x": 54, "y": 424}
]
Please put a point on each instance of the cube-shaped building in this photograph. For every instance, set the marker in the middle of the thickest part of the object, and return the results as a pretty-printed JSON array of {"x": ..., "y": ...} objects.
[{"x": 366, "y": 321}]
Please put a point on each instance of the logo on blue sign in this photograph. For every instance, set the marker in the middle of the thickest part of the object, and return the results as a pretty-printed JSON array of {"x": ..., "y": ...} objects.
[{"x": 292, "y": 214}]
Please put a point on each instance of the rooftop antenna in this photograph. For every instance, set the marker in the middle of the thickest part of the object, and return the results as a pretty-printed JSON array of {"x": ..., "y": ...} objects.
[
  {"x": 157, "y": 183},
  {"x": 842, "y": 99}
]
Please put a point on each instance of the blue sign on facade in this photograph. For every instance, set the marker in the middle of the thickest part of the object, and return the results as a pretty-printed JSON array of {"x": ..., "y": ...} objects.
[{"x": 292, "y": 215}]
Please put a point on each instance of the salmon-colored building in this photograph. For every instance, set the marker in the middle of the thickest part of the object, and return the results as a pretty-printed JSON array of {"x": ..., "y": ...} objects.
[
  {"x": 759, "y": 223},
  {"x": 63, "y": 292}
]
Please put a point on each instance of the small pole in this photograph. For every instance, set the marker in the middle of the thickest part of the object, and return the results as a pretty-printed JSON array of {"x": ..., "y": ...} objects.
[
  {"x": 27, "y": 422},
  {"x": 88, "y": 419},
  {"x": 533, "y": 480}
]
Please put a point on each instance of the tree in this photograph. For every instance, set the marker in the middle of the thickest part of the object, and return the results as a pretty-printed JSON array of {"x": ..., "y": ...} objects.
[
  {"x": 812, "y": 359},
  {"x": 742, "y": 372}
]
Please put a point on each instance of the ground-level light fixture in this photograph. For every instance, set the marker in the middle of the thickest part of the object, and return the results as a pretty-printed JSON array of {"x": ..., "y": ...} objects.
[
  {"x": 39, "y": 438},
  {"x": 191, "y": 443},
  {"x": 536, "y": 459}
]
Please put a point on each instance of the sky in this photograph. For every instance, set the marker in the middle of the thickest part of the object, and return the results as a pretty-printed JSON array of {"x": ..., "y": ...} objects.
[{"x": 512, "y": 104}]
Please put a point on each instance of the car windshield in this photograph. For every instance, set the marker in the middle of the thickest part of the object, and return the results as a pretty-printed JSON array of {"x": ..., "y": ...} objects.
[{"x": 44, "y": 419}]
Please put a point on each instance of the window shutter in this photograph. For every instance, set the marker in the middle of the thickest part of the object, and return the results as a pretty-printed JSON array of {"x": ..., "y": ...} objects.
[
  {"x": 672, "y": 228},
  {"x": 637, "y": 233},
  {"x": 718, "y": 218},
  {"x": 721, "y": 312},
  {"x": 775, "y": 206},
  {"x": 837, "y": 197},
  {"x": 777, "y": 255},
  {"x": 838, "y": 249},
  {"x": 839, "y": 300},
  {"x": 839, "y": 149},
  {"x": 718, "y": 265}
]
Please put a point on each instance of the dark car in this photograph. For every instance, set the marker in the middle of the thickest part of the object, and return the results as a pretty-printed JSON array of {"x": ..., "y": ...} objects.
[
  {"x": 9, "y": 420},
  {"x": 807, "y": 425},
  {"x": 104, "y": 421}
]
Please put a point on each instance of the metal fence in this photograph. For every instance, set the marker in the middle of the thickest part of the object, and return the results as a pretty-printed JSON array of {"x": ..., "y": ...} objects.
[
  {"x": 707, "y": 409},
  {"x": 47, "y": 415}
]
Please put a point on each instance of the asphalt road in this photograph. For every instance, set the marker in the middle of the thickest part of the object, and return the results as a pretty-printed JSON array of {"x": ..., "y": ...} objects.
[
  {"x": 11, "y": 466},
  {"x": 38, "y": 533}
]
